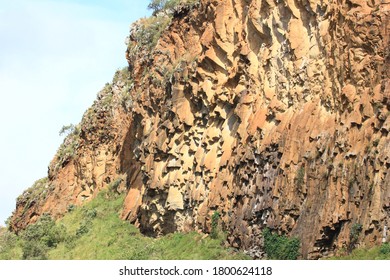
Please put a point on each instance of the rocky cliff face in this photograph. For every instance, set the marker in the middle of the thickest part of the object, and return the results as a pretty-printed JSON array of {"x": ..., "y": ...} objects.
[{"x": 273, "y": 113}]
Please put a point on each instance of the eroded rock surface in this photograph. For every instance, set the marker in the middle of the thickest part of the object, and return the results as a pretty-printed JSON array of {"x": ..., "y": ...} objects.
[{"x": 273, "y": 113}]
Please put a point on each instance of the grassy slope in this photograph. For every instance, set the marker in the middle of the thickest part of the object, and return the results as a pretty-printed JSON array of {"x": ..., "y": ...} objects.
[
  {"x": 108, "y": 237},
  {"x": 10, "y": 246},
  {"x": 376, "y": 253},
  {"x": 105, "y": 236}
]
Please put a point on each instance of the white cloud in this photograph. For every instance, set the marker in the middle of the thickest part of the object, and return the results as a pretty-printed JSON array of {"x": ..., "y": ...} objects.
[{"x": 54, "y": 57}]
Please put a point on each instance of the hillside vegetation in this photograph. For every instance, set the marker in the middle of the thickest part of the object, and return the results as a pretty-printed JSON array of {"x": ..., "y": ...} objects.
[
  {"x": 375, "y": 253},
  {"x": 258, "y": 118},
  {"x": 94, "y": 231}
]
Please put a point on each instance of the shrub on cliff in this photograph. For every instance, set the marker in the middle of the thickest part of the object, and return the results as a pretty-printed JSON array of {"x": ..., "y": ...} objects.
[
  {"x": 354, "y": 235},
  {"x": 214, "y": 225},
  {"x": 41, "y": 236},
  {"x": 385, "y": 249},
  {"x": 68, "y": 148},
  {"x": 146, "y": 32},
  {"x": 37, "y": 192},
  {"x": 169, "y": 6},
  {"x": 280, "y": 247},
  {"x": 67, "y": 129},
  {"x": 157, "y": 5}
]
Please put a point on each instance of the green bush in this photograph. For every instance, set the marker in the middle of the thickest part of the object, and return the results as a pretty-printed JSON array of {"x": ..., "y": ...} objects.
[
  {"x": 37, "y": 192},
  {"x": 9, "y": 245},
  {"x": 214, "y": 225},
  {"x": 68, "y": 148},
  {"x": 42, "y": 236},
  {"x": 84, "y": 227},
  {"x": 300, "y": 177},
  {"x": 33, "y": 250},
  {"x": 169, "y": 6},
  {"x": 46, "y": 231},
  {"x": 67, "y": 129},
  {"x": 354, "y": 235},
  {"x": 385, "y": 249},
  {"x": 147, "y": 31},
  {"x": 157, "y": 5},
  {"x": 88, "y": 214},
  {"x": 280, "y": 247},
  {"x": 6, "y": 238},
  {"x": 114, "y": 185}
]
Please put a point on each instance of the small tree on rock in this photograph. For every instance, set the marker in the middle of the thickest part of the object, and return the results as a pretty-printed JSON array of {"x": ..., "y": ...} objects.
[{"x": 157, "y": 6}]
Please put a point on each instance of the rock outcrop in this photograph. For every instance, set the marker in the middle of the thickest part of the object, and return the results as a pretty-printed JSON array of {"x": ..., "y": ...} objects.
[{"x": 273, "y": 113}]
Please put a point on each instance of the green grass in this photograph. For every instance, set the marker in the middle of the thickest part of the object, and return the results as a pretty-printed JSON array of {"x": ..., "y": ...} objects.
[
  {"x": 188, "y": 246},
  {"x": 375, "y": 253},
  {"x": 10, "y": 245},
  {"x": 94, "y": 231}
]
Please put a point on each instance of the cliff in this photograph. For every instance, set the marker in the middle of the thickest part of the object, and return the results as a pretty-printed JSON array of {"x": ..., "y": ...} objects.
[{"x": 273, "y": 113}]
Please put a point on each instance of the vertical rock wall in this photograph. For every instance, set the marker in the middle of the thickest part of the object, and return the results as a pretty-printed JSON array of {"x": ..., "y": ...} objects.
[
  {"x": 277, "y": 118},
  {"x": 273, "y": 113}
]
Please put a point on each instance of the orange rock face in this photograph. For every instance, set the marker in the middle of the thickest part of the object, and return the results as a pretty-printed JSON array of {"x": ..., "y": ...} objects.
[{"x": 273, "y": 113}]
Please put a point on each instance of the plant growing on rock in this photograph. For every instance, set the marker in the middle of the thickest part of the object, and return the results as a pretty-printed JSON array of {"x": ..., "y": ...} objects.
[
  {"x": 68, "y": 148},
  {"x": 146, "y": 32},
  {"x": 86, "y": 223},
  {"x": 280, "y": 247},
  {"x": 214, "y": 225},
  {"x": 354, "y": 235},
  {"x": 385, "y": 249},
  {"x": 114, "y": 186},
  {"x": 300, "y": 177},
  {"x": 169, "y": 6},
  {"x": 37, "y": 192},
  {"x": 67, "y": 129},
  {"x": 157, "y": 5}
]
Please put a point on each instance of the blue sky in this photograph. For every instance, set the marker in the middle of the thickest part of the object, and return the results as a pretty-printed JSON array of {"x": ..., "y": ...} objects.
[{"x": 54, "y": 57}]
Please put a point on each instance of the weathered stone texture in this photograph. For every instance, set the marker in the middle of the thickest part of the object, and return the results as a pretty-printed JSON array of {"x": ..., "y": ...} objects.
[{"x": 275, "y": 114}]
